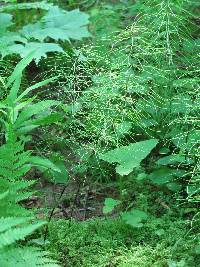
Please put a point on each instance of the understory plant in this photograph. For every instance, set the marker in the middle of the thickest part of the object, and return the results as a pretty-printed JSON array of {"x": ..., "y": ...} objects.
[
  {"x": 145, "y": 87},
  {"x": 16, "y": 222},
  {"x": 123, "y": 108},
  {"x": 47, "y": 34}
]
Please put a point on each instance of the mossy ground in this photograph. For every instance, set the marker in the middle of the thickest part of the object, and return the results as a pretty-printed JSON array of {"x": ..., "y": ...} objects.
[{"x": 110, "y": 243}]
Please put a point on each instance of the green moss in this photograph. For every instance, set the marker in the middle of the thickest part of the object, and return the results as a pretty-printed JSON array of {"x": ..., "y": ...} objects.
[{"x": 112, "y": 243}]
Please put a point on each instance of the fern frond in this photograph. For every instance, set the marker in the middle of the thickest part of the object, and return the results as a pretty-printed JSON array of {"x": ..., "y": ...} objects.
[
  {"x": 26, "y": 256},
  {"x": 8, "y": 222},
  {"x": 13, "y": 209},
  {"x": 10, "y": 195},
  {"x": 15, "y": 220},
  {"x": 14, "y": 234}
]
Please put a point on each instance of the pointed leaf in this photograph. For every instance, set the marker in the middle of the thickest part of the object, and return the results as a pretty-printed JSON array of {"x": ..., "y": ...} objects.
[
  {"x": 129, "y": 157},
  {"x": 35, "y": 86},
  {"x": 43, "y": 162},
  {"x": 20, "y": 67}
]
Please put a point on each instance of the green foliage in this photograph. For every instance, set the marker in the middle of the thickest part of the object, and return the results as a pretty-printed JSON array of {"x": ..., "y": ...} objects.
[
  {"x": 22, "y": 113},
  {"x": 103, "y": 118},
  {"x": 164, "y": 175},
  {"x": 107, "y": 242},
  {"x": 140, "y": 83},
  {"x": 13, "y": 155},
  {"x": 15, "y": 163},
  {"x": 61, "y": 175},
  {"x": 14, "y": 227},
  {"x": 14, "y": 232},
  {"x": 105, "y": 20},
  {"x": 110, "y": 204},
  {"x": 11, "y": 195},
  {"x": 137, "y": 79},
  {"x": 40, "y": 5},
  {"x": 56, "y": 24},
  {"x": 25, "y": 256},
  {"x": 129, "y": 157},
  {"x": 41, "y": 48},
  {"x": 134, "y": 217}
]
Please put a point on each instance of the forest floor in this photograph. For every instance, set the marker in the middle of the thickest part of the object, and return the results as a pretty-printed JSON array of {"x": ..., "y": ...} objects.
[{"x": 79, "y": 234}]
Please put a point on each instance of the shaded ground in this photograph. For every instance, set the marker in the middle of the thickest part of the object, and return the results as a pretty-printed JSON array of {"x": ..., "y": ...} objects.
[{"x": 76, "y": 200}]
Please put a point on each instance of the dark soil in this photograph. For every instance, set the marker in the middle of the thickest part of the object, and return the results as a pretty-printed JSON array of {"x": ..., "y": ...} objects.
[{"x": 78, "y": 201}]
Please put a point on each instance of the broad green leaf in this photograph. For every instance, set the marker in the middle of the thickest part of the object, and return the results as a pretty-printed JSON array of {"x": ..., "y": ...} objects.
[
  {"x": 110, "y": 204},
  {"x": 25, "y": 129},
  {"x": 160, "y": 232},
  {"x": 9, "y": 39},
  {"x": 49, "y": 119},
  {"x": 134, "y": 217},
  {"x": 173, "y": 159},
  {"x": 59, "y": 24},
  {"x": 22, "y": 105},
  {"x": 129, "y": 157},
  {"x": 9, "y": 49},
  {"x": 141, "y": 176},
  {"x": 39, "y": 32},
  {"x": 43, "y": 162},
  {"x": 181, "y": 263},
  {"x": 175, "y": 187},
  {"x": 61, "y": 177},
  {"x": 32, "y": 124},
  {"x": 197, "y": 249},
  {"x": 41, "y": 50},
  {"x": 34, "y": 109},
  {"x": 5, "y": 21},
  {"x": 181, "y": 104},
  {"x": 193, "y": 189},
  {"x": 73, "y": 23},
  {"x": 145, "y": 123},
  {"x": 164, "y": 175}
]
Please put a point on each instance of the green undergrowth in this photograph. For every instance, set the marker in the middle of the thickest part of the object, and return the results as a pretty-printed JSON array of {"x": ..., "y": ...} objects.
[
  {"x": 105, "y": 106},
  {"x": 111, "y": 243}
]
